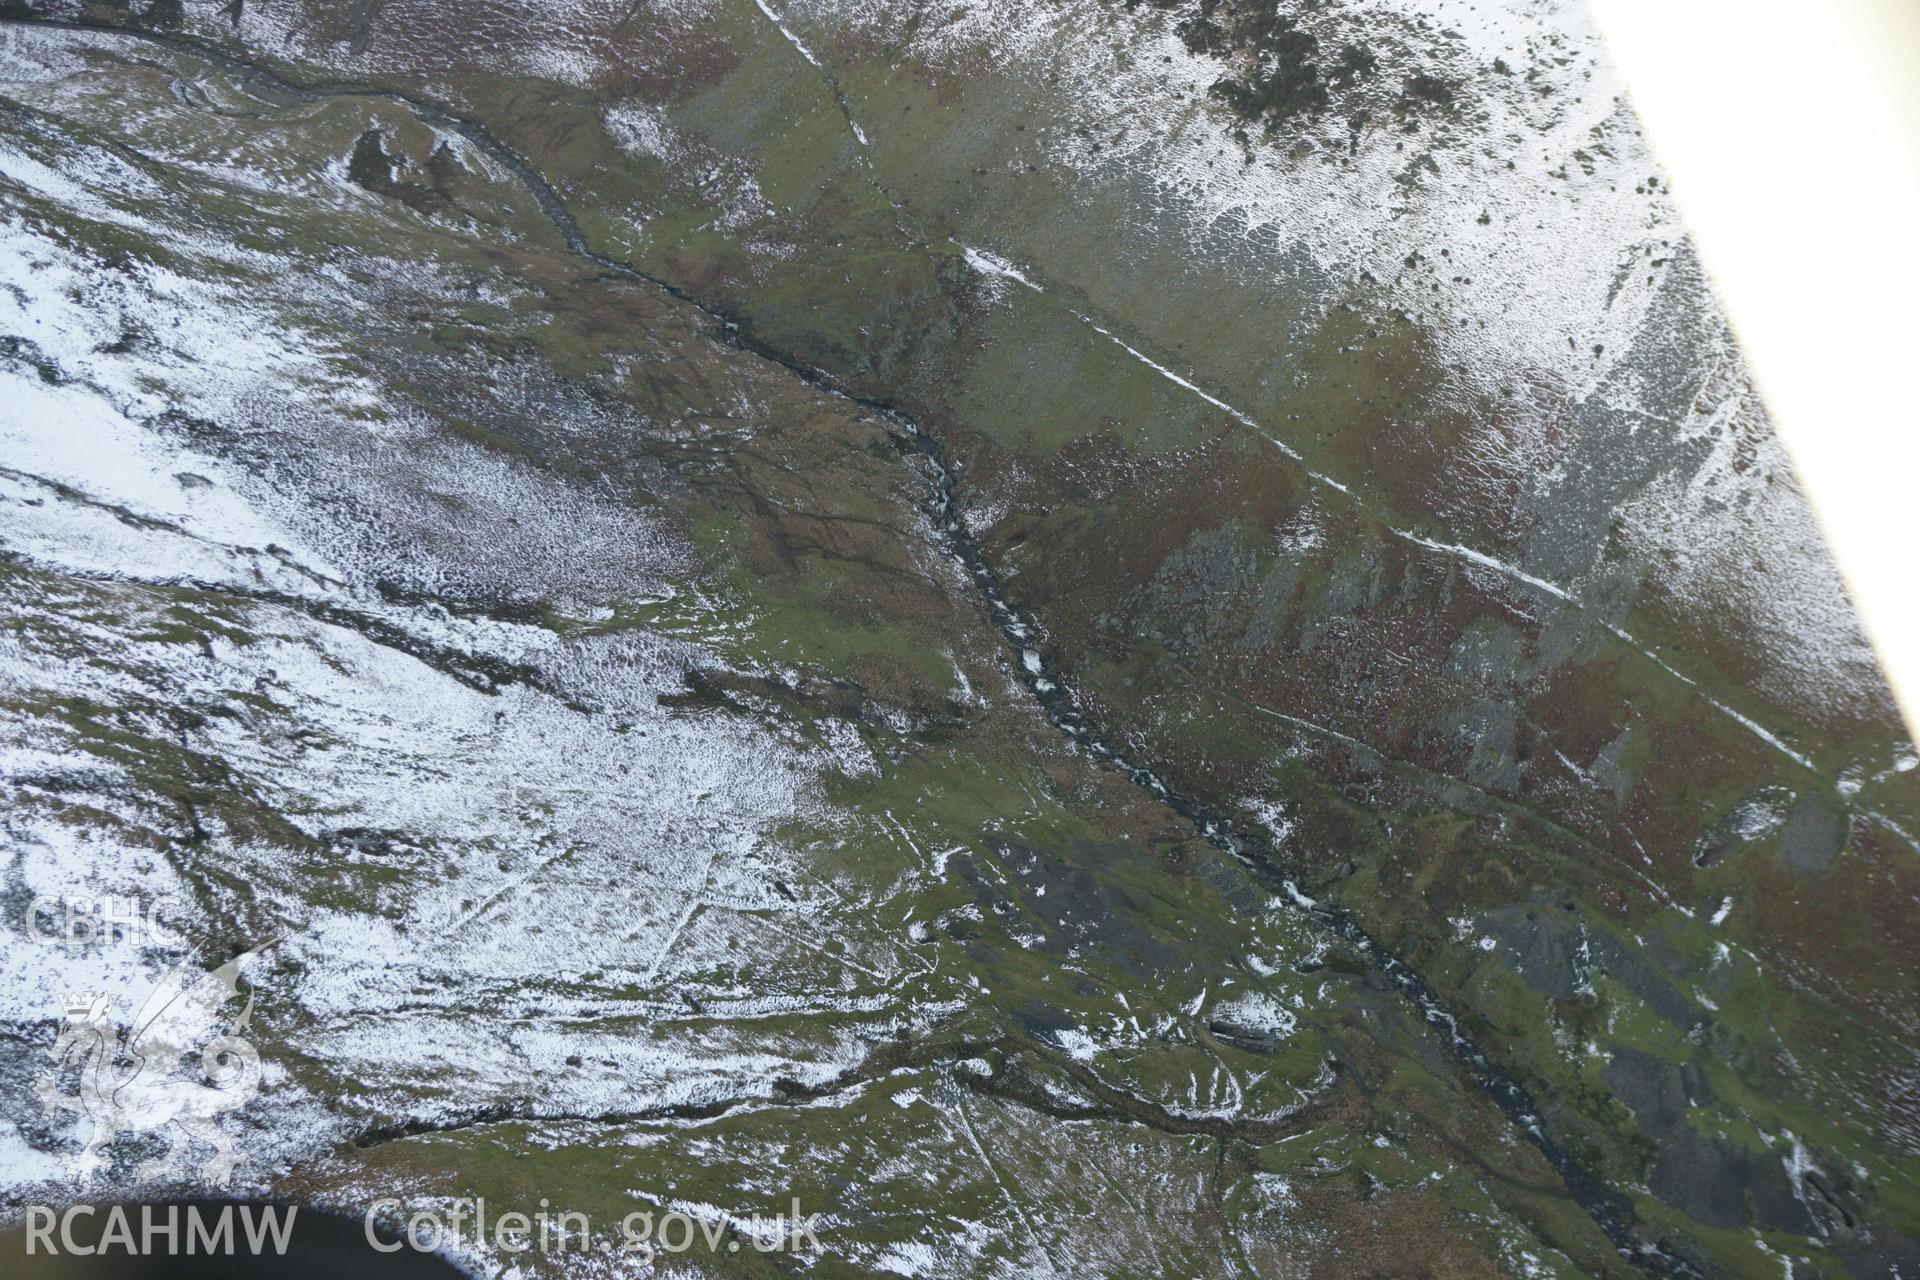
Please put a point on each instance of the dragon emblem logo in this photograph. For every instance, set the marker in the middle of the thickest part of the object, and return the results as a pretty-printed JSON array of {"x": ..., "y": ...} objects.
[{"x": 135, "y": 1078}]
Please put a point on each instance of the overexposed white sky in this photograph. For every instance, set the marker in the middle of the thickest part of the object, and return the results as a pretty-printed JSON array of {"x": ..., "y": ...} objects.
[{"x": 1791, "y": 136}]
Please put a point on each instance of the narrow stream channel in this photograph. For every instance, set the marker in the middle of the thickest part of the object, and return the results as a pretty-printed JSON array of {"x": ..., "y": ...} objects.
[{"x": 1609, "y": 1210}]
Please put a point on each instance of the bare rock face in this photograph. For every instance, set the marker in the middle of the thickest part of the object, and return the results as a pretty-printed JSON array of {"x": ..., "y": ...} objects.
[{"x": 1092, "y": 638}]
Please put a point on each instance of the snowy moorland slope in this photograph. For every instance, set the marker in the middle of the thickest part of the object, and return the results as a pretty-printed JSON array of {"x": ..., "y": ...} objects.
[{"x": 1141, "y": 639}]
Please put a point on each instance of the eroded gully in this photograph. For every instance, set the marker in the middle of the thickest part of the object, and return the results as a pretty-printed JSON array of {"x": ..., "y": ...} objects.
[{"x": 1609, "y": 1210}]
